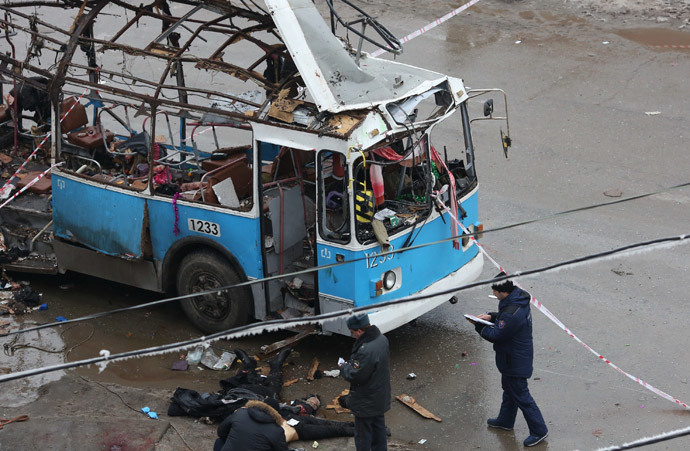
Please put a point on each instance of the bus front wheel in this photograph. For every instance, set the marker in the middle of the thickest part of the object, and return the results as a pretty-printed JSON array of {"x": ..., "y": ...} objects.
[{"x": 217, "y": 311}]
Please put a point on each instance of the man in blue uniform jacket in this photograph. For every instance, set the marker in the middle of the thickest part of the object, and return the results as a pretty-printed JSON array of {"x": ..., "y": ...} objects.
[{"x": 511, "y": 335}]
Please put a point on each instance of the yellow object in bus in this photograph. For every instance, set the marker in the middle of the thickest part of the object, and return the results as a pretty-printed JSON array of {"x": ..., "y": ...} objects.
[{"x": 364, "y": 205}]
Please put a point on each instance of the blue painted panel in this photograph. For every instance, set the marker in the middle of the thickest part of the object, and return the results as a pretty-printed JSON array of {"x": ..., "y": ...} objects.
[
  {"x": 269, "y": 151},
  {"x": 420, "y": 268},
  {"x": 239, "y": 234},
  {"x": 101, "y": 219}
]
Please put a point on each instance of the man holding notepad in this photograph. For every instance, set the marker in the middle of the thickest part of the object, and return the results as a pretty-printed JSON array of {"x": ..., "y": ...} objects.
[{"x": 510, "y": 330}]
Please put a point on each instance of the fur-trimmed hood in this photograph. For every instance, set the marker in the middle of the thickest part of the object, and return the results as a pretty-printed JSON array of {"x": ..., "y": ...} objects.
[{"x": 263, "y": 413}]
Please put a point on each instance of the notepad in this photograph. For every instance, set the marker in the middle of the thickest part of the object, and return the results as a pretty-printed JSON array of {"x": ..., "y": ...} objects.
[{"x": 479, "y": 320}]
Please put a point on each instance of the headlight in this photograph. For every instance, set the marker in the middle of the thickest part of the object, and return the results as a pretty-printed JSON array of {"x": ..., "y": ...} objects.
[{"x": 389, "y": 280}]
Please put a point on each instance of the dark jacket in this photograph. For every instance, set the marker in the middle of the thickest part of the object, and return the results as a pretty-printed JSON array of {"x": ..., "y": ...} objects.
[
  {"x": 254, "y": 428},
  {"x": 511, "y": 334},
  {"x": 369, "y": 375}
]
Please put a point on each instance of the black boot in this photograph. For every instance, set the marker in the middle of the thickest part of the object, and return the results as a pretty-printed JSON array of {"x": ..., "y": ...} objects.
[
  {"x": 248, "y": 362},
  {"x": 276, "y": 363},
  {"x": 282, "y": 355}
]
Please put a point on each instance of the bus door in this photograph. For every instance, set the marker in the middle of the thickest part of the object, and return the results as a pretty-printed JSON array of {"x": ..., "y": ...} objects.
[{"x": 334, "y": 232}]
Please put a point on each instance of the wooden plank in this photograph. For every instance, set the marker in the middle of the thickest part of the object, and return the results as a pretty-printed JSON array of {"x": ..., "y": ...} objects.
[
  {"x": 288, "y": 383},
  {"x": 268, "y": 349},
  {"x": 412, "y": 404},
  {"x": 312, "y": 369}
]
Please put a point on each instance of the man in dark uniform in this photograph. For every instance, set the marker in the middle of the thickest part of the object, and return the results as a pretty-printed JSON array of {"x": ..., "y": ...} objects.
[
  {"x": 511, "y": 335},
  {"x": 370, "y": 385},
  {"x": 32, "y": 99}
]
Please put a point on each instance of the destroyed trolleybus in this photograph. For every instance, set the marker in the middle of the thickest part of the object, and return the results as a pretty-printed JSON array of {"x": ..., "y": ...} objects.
[{"x": 198, "y": 144}]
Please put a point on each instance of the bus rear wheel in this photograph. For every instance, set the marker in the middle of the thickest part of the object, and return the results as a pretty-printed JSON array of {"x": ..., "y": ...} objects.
[{"x": 218, "y": 311}]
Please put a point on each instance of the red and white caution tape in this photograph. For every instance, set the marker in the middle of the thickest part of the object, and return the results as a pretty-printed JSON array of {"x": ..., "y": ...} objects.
[
  {"x": 428, "y": 27},
  {"x": 542, "y": 308},
  {"x": 9, "y": 180},
  {"x": 30, "y": 184},
  {"x": 671, "y": 46}
]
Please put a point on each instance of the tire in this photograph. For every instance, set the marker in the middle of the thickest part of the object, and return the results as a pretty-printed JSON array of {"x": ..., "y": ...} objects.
[{"x": 205, "y": 270}]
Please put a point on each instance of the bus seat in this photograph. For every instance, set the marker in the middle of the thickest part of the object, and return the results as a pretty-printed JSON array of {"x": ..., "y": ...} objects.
[
  {"x": 77, "y": 118},
  {"x": 239, "y": 170},
  {"x": 90, "y": 137}
]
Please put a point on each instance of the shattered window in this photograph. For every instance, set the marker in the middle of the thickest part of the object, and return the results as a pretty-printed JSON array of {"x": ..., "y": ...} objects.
[
  {"x": 392, "y": 186},
  {"x": 424, "y": 107},
  {"x": 334, "y": 205}
]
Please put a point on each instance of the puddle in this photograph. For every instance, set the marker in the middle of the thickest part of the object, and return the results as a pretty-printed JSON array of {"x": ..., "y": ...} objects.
[
  {"x": 19, "y": 392},
  {"x": 463, "y": 37},
  {"x": 657, "y": 37},
  {"x": 551, "y": 18}
]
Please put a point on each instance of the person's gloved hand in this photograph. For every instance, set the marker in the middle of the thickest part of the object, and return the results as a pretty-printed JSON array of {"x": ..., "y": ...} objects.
[
  {"x": 340, "y": 361},
  {"x": 343, "y": 401}
]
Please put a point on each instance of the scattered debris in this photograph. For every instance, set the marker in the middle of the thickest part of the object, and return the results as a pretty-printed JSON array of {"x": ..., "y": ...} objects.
[
  {"x": 621, "y": 272},
  {"x": 422, "y": 441},
  {"x": 151, "y": 414},
  {"x": 613, "y": 193},
  {"x": 211, "y": 361},
  {"x": 268, "y": 349},
  {"x": 335, "y": 404},
  {"x": 290, "y": 382},
  {"x": 331, "y": 373},
  {"x": 180, "y": 365},
  {"x": 193, "y": 357},
  {"x": 411, "y": 376},
  {"x": 412, "y": 404},
  {"x": 312, "y": 369},
  {"x": 18, "y": 419},
  {"x": 652, "y": 113},
  {"x": 60, "y": 319}
]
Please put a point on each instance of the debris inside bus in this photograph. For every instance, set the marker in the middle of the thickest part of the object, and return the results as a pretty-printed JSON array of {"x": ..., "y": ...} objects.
[{"x": 183, "y": 146}]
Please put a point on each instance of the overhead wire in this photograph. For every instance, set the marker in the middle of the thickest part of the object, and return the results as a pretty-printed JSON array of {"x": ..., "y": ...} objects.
[
  {"x": 334, "y": 265},
  {"x": 280, "y": 324},
  {"x": 650, "y": 440}
]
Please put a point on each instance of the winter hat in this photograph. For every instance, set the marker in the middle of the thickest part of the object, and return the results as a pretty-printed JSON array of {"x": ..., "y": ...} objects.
[{"x": 359, "y": 321}]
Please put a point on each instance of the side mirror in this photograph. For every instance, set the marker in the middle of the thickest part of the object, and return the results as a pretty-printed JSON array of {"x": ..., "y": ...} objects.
[
  {"x": 488, "y": 107},
  {"x": 506, "y": 141}
]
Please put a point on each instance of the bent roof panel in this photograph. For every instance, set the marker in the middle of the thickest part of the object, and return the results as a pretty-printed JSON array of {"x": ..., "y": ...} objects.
[{"x": 333, "y": 79}]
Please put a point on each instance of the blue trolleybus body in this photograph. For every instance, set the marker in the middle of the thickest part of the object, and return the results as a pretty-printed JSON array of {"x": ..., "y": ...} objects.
[{"x": 307, "y": 152}]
